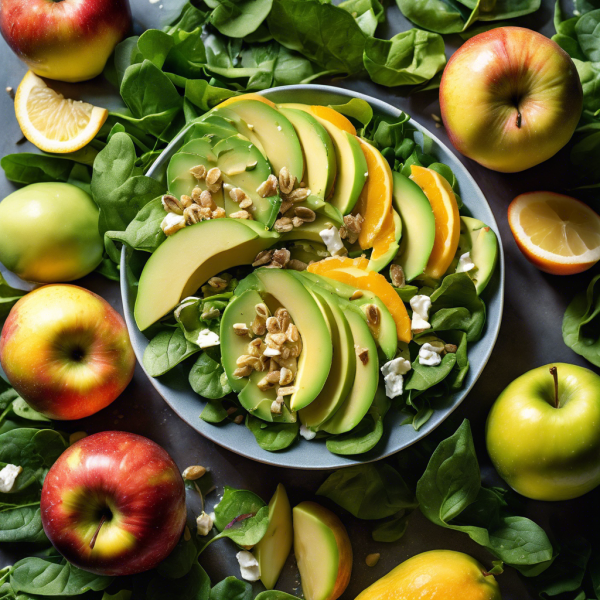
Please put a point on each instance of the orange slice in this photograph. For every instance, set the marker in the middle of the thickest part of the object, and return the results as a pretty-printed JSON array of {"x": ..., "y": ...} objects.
[
  {"x": 447, "y": 220},
  {"x": 256, "y": 97},
  {"x": 385, "y": 239},
  {"x": 339, "y": 262},
  {"x": 558, "y": 234},
  {"x": 333, "y": 116},
  {"x": 376, "y": 283},
  {"x": 375, "y": 200}
]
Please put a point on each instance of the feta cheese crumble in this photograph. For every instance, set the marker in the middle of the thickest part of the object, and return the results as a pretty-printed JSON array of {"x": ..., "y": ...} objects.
[
  {"x": 204, "y": 524},
  {"x": 271, "y": 352},
  {"x": 420, "y": 305},
  {"x": 249, "y": 568},
  {"x": 306, "y": 433},
  {"x": 465, "y": 263},
  {"x": 207, "y": 338},
  {"x": 331, "y": 238},
  {"x": 393, "y": 372},
  {"x": 172, "y": 221},
  {"x": 429, "y": 355},
  {"x": 8, "y": 475}
]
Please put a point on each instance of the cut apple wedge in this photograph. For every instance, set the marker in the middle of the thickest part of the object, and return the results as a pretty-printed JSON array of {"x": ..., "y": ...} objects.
[
  {"x": 274, "y": 548},
  {"x": 323, "y": 552}
]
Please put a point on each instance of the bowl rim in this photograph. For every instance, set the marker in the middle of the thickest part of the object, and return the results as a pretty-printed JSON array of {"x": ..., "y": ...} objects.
[{"x": 335, "y": 461}]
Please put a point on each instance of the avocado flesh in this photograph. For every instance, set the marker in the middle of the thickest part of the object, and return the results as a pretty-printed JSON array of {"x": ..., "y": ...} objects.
[
  {"x": 478, "y": 239},
  {"x": 380, "y": 262},
  {"x": 358, "y": 401},
  {"x": 351, "y": 163},
  {"x": 213, "y": 126},
  {"x": 386, "y": 337},
  {"x": 275, "y": 546},
  {"x": 310, "y": 231},
  {"x": 268, "y": 129},
  {"x": 173, "y": 272},
  {"x": 319, "y": 152},
  {"x": 418, "y": 226},
  {"x": 343, "y": 364},
  {"x": 242, "y": 165},
  {"x": 281, "y": 288}
]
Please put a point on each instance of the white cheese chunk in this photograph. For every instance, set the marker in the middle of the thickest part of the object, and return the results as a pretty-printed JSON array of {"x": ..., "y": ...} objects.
[
  {"x": 465, "y": 263},
  {"x": 429, "y": 355},
  {"x": 207, "y": 338},
  {"x": 397, "y": 366},
  {"x": 271, "y": 351},
  {"x": 172, "y": 222},
  {"x": 248, "y": 565},
  {"x": 420, "y": 305},
  {"x": 331, "y": 238},
  {"x": 8, "y": 475},
  {"x": 393, "y": 372},
  {"x": 204, "y": 523},
  {"x": 306, "y": 433}
]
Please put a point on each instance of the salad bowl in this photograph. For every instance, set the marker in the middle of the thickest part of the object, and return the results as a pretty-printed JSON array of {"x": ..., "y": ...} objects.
[{"x": 177, "y": 392}]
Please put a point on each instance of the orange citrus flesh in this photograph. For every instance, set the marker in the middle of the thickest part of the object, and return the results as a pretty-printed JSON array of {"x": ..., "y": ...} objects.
[
  {"x": 447, "y": 220},
  {"x": 375, "y": 200},
  {"x": 339, "y": 262},
  {"x": 373, "y": 282},
  {"x": 256, "y": 97},
  {"x": 557, "y": 233},
  {"x": 386, "y": 237},
  {"x": 333, "y": 116}
]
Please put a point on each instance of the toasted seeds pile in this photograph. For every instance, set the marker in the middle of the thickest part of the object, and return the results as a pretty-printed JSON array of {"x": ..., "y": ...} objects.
[
  {"x": 274, "y": 349},
  {"x": 351, "y": 228},
  {"x": 278, "y": 259}
]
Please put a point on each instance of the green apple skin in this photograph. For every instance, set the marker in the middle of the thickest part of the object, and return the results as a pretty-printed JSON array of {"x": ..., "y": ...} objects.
[
  {"x": 49, "y": 233},
  {"x": 494, "y": 77},
  {"x": 542, "y": 452}
]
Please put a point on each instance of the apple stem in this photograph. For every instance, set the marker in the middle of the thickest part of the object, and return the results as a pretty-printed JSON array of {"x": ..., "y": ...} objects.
[
  {"x": 519, "y": 118},
  {"x": 554, "y": 373},
  {"x": 95, "y": 536}
]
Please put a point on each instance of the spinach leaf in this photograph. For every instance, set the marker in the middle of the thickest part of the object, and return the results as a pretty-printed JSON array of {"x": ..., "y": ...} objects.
[
  {"x": 118, "y": 187},
  {"x": 207, "y": 377},
  {"x": 323, "y": 33},
  {"x": 155, "y": 46},
  {"x": 231, "y": 588},
  {"x": 235, "y": 503},
  {"x": 45, "y": 578},
  {"x": 205, "y": 96},
  {"x": 247, "y": 531},
  {"x": 357, "y": 109},
  {"x": 27, "y": 167},
  {"x": 409, "y": 58},
  {"x": 9, "y": 296},
  {"x": 166, "y": 350},
  {"x": 181, "y": 560},
  {"x": 588, "y": 34},
  {"x": 21, "y": 409},
  {"x": 450, "y": 495},
  {"x": 239, "y": 18},
  {"x": 581, "y": 323},
  {"x": 272, "y": 436},
  {"x": 391, "y": 530},
  {"x": 213, "y": 412},
  {"x": 195, "y": 585},
  {"x": 21, "y": 523},
  {"x": 368, "y": 491},
  {"x": 423, "y": 377}
]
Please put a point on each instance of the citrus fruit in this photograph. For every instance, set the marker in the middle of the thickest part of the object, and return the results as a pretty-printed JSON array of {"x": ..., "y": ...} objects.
[
  {"x": 558, "y": 234},
  {"x": 333, "y": 116},
  {"x": 52, "y": 122}
]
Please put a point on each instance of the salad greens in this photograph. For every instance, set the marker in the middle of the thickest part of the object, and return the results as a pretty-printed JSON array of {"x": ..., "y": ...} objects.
[
  {"x": 581, "y": 323},
  {"x": 9, "y": 296}
]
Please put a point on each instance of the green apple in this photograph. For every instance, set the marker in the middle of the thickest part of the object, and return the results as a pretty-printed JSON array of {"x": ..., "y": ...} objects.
[{"x": 543, "y": 432}]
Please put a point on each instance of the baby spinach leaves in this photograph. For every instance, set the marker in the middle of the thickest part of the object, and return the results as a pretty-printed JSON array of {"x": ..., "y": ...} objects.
[
  {"x": 235, "y": 503},
  {"x": 239, "y": 18},
  {"x": 9, "y": 296},
  {"x": 166, "y": 350},
  {"x": 207, "y": 377},
  {"x": 194, "y": 585},
  {"x": 272, "y": 436},
  {"x": 231, "y": 588},
  {"x": 581, "y": 323},
  {"x": 450, "y": 495}
]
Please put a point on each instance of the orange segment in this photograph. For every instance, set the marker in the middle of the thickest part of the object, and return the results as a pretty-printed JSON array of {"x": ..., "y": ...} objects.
[
  {"x": 256, "y": 97},
  {"x": 333, "y": 116},
  {"x": 447, "y": 220},
  {"x": 558, "y": 234},
  {"x": 386, "y": 237},
  {"x": 375, "y": 201},
  {"x": 339, "y": 262},
  {"x": 376, "y": 283}
]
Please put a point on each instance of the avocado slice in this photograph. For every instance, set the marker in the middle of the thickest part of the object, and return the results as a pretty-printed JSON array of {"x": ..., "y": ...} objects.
[
  {"x": 242, "y": 165},
  {"x": 319, "y": 153},
  {"x": 215, "y": 126},
  {"x": 418, "y": 224},
  {"x": 281, "y": 288},
  {"x": 268, "y": 129},
  {"x": 351, "y": 162},
  {"x": 275, "y": 546},
  {"x": 357, "y": 403},
  {"x": 173, "y": 272},
  {"x": 343, "y": 364},
  {"x": 307, "y": 251},
  {"x": 380, "y": 262},
  {"x": 478, "y": 239},
  {"x": 310, "y": 231},
  {"x": 386, "y": 337}
]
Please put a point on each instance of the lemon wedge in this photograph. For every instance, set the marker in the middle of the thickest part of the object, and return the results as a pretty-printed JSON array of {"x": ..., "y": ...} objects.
[{"x": 52, "y": 122}]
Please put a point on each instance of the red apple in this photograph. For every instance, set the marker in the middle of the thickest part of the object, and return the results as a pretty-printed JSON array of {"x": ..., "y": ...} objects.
[
  {"x": 510, "y": 98},
  {"x": 69, "y": 40},
  {"x": 114, "y": 504},
  {"x": 66, "y": 351}
]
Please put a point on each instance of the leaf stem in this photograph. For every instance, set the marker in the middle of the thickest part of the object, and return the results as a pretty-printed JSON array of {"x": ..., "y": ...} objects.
[{"x": 554, "y": 373}]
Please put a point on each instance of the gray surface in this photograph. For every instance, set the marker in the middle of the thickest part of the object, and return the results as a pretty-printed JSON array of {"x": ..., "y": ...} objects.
[
  {"x": 530, "y": 336},
  {"x": 176, "y": 390}
]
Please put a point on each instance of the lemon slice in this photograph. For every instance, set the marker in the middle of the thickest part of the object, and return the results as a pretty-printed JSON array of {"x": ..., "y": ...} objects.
[
  {"x": 52, "y": 122},
  {"x": 558, "y": 234}
]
